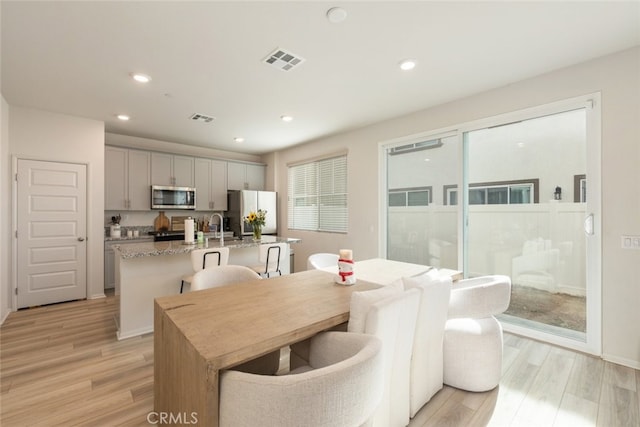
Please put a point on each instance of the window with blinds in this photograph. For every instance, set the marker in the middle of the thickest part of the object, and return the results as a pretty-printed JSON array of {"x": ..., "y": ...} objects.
[{"x": 318, "y": 195}]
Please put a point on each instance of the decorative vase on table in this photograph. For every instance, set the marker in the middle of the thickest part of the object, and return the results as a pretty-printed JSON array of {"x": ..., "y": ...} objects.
[
  {"x": 257, "y": 233},
  {"x": 257, "y": 220}
]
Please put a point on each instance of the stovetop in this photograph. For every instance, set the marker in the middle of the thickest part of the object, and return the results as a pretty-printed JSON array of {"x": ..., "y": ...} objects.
[{"x": 163, "y": 236}]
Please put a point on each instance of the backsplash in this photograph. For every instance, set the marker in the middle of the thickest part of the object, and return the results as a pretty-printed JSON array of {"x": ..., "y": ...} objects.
[
  {"x": 145, "y": 219},
  {"x": 143, "y": 230}
]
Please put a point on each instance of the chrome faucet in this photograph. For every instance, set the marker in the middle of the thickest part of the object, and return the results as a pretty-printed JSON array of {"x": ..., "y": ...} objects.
[{"x": 220, "y": 228}]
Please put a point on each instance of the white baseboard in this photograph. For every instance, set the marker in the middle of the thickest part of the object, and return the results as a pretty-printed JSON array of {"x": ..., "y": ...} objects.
[
  {"x": 97, "y": 296},
  {"x": 634, "y": 364},
  {"x": 4, "y": 317},
  {"x": 133, "y": 333}
]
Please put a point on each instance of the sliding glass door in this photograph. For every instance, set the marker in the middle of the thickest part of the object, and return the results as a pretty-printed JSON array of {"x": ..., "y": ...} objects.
[
  {"x": 525, "y": 214},
  {"x": 422, "y": 227},
  {"x": 516, "y": 195}
]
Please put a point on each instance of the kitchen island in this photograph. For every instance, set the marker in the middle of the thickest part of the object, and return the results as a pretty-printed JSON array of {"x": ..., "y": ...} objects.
[{"x": 148, "y": 270}]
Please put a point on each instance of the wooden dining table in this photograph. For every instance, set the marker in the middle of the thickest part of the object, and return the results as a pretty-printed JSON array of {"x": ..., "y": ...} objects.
[{"x": 200, "y": 333}]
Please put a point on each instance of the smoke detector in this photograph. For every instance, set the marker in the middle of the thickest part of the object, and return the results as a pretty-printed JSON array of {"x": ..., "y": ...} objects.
[
  {"x": 336, "y": 15},
  {"x": 283, "y": 60},
  {"x": 197, "y": 117}
]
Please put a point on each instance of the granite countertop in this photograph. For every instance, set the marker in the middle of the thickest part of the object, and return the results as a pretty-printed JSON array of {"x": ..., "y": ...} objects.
[
  {"x": 175, "y": 247},
  {"x": 147, "y": 237}
]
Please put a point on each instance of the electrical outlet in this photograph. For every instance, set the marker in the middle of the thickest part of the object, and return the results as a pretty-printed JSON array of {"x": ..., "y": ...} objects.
[{"x": 630, "y": 242}]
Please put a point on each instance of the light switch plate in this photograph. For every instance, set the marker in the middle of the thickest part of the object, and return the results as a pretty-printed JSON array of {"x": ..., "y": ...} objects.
[{"x": 630, "y": 242}]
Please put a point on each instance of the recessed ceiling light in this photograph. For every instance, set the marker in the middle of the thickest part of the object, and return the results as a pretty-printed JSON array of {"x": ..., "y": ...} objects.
[
  {"x": 123, "y": 117},
  {"x": 238, "y": 139},
  {"x": 407, "y": 64},
  {"x": 141, "y": 78},
  {"x": 335, "y": 15},
  {"x": 286, "y": 118}
]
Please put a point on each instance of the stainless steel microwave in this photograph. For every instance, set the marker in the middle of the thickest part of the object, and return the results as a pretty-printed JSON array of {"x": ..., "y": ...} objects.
[{"x": 167, "y": 197}]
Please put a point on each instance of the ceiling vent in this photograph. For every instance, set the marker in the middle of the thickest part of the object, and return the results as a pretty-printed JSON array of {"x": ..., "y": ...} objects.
[
  {"x": 197, "y": 117},
  {"x": 283, "y": 60}
]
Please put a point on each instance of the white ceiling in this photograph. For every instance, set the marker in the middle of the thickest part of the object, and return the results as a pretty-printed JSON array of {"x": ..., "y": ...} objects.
[{"x": 205, "y": 57}]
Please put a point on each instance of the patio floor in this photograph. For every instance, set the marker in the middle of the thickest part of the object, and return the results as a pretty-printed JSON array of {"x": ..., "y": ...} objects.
[{"x": 562, "y": 310}]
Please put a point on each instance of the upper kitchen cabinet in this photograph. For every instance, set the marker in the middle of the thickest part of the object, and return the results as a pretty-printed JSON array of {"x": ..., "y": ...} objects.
[
  {"x": 211, "y": 185},
  {"x": 245, "y": 176},
  {"x": 127, "y": 179},
  {"x": 169, "y": 169}
]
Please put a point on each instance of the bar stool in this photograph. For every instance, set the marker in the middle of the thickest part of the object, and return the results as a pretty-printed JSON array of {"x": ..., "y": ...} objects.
[
  {"x": 205, "y": 258},
  {"x": 271, "y": 255}
]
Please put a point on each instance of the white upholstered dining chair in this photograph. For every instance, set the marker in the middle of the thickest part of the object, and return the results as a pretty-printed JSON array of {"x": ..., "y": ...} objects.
[
  {"x": 205, "y": 258},
  {"x": 473, "y": 336},
  {"x": 321, "y": 260},
  {"x": 221, "y": 276},
  {"x": 342, "y": 386},
  {"x": 427, "y": 365},
  {"x": 390, "y": 314}
]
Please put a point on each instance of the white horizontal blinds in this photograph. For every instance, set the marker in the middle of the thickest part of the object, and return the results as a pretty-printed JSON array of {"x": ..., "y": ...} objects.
[
  {"x": 303, "y": 199},
  {"x": 318, "y": 195},
  {"x": 332, "y": 175}
]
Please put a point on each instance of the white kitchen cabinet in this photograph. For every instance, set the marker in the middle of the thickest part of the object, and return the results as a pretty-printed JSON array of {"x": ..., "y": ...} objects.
[
  {"x": 219, "y": 185},
  {"x": 245, "y": 176},
  {"x": 115, "y": 178},
  {"x": 139, "y": 180},
  {"x": 127, "y": 179},
  {"x": 211, "y": 185},
  {"x": 169, "y": 169},
  {"x": 183, "y": 171}
]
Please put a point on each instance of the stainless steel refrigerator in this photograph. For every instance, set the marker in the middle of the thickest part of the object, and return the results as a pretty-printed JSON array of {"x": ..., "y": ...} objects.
[{"x": 241, "y": 202}]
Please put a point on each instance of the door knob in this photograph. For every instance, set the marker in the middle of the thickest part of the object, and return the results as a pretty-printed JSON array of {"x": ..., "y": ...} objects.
[{"x": 80, "y": 239}]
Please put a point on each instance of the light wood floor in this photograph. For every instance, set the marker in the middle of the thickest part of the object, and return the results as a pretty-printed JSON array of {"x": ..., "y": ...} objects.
[{"x": 62, "y": 365}]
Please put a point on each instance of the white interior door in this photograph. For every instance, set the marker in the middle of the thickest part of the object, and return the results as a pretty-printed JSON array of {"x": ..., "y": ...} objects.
[{"x": 51, "y": 232}]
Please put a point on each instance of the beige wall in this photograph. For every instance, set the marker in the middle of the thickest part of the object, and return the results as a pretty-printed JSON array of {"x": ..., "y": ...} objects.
[
  {"x": 617, "y": 77},
  {"x": 39, "y": 135}
]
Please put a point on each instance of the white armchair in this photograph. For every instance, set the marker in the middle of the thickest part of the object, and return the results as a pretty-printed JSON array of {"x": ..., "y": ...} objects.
[
  {"x": 342, "y": 387},
  {"x": 473, "y": 336}
]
